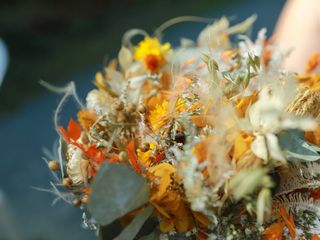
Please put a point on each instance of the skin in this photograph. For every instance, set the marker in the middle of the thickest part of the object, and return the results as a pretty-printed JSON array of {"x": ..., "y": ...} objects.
[{"x": 298, "y": 29}]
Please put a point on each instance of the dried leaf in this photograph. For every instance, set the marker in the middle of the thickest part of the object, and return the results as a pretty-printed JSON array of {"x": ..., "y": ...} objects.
[
  {"x": 289, "y": 222},
  {"x": 274, "y": 231},
  {"x": 243, "y": 26},
  {"x": 86, "y": 119},
  {"x": 73, "y": 131},
  {"x": 116, "y": 81},
  {"x": 125, "y": 58},
  {"x": 133, "y": 156}
]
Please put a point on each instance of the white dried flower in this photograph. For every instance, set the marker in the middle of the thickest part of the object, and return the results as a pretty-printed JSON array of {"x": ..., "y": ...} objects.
[
  {"x": 267, "y": 117},
  {"x": 74, "y": 164},
  {"x": 99, "y": 102}
]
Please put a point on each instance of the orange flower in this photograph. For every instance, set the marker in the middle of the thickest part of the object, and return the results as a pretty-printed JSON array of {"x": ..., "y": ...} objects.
[
  {"x": 73, "y": 132},
  {"x": 163, "y": 173},
  {"x": 169, "y": 200},
  {"x": 153, "y": 63},
  {"x": 200, "y": 150},
  {"x": 315, "y": 237},
  {"x": 71, "y": 136},
  {"x": 86, "y": 119}
]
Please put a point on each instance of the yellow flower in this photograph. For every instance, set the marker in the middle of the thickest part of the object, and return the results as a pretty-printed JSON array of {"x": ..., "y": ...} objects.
[
  {"x": 163, "y": 172},
  {"x": 159, "y": 116},
  {"x": 163, "y": 113},
  {"x": 152, "y": 53},
  {"x": 170, "y": 202},
  {"x": 242, "y": 144},
  {"x": 311, "y": 81},
  {"x": 313, "y": 62},
  {"x": 151, "y": 46},
  {"x": 87, "y": 119},
  {"x": 244, "y": 103},
  {"x": 147, "y": 157}
]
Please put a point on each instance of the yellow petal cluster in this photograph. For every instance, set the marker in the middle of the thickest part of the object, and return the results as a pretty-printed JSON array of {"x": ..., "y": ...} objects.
[
  {"x": 170, "y": 202},
  {"x": 151, "y": 46}
]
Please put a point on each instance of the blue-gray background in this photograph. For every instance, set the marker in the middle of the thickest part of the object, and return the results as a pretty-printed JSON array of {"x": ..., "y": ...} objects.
[{"x": 43, "y": 46}]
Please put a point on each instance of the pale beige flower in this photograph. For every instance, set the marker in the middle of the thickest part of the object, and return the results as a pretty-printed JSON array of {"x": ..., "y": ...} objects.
[{"x": 267, "y": 117}]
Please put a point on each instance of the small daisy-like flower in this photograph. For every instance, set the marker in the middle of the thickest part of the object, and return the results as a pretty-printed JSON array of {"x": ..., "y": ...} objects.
[{"x": 152, "y": 53}]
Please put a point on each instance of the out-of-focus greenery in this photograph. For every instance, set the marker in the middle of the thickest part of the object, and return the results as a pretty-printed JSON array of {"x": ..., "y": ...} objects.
[{"x": 55, "y": 39}]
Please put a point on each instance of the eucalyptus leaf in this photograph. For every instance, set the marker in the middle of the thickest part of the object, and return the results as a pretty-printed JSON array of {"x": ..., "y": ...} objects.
[
  {"x": 296, "y": 148},
  {"x": 135, "y": 225},
  {"x": 116, "y": 190}
]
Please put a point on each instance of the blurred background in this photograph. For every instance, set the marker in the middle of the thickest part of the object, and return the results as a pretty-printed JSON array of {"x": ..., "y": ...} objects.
[{"x": 60, "y": 41}]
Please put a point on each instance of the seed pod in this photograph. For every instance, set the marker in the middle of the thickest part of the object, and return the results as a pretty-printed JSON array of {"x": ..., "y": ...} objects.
[
  {"x": 142, "y": 109},
  {"x": 180, "y": 137},
  {"x": 121, "y": 117},
  {"x": 67, "y": 182},
  {"x": 85, "y": 199},
  {"x": 130, "y": 108},
  {"x": 76, "y": 202},
  {"x": 123, "y": 156},
  {"x": 145, "y": 147},
  {"x": 54, "y": 165},
  {"x": 118, "y": 105},
  {"x": 133, "y": 116}
]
